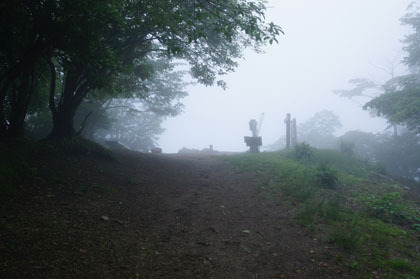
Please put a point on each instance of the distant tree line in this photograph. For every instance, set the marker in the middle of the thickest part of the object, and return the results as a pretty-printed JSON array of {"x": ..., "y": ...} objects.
[
  {"x": 65, "y": 63},
  {"x": 398, "y": 154},
  {"x": 397, "y": 100}
]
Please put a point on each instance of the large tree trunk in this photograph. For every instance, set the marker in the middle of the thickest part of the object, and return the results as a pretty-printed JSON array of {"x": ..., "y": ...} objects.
[
  {"x": 63, "y": 124},
  {"x": 75, "y": 89},
  {"x": 3, "y": 124},
  {"x": 9, "y": 89},
  {"x": 21, "y": 73},
  {"x": 20, "y": 104}
]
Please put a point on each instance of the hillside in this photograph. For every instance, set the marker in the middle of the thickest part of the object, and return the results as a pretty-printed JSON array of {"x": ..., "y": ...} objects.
[{"x": 77, "y": 211}]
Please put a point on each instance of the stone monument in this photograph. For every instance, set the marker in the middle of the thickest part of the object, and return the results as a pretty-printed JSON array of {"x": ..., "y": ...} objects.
[{"x": 255, "y": 141}]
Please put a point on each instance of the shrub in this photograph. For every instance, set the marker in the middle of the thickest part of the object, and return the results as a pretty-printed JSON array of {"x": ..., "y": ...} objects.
[
  {"x": 346, "y": 147},
  {"x": 332, "y": 211},
  {"x": 347, "y": 237},
  {"x": 388, "y": 207},
  {"x": 78, "y": 146},
  {"x": 326, "y": 177},
  {"x": 402, "y": 265},
  {"x": 303, "y": 151}
]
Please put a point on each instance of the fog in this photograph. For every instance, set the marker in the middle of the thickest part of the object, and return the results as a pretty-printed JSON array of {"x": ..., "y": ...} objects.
[{"x": 326, "y": 43}]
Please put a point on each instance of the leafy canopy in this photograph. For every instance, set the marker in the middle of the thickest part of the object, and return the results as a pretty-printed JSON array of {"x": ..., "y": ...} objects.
[{"x": 400, "y": 103}]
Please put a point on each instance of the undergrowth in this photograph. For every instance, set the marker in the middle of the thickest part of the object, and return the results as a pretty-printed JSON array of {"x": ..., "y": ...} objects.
[
  {"x": 371, "y": 221},
  {"x": 14, "y": 166},
  {"x": 18, "y": 157}
]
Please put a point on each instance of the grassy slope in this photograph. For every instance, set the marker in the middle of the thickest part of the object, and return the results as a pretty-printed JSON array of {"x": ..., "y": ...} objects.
[{"x": 372, "y": 220}]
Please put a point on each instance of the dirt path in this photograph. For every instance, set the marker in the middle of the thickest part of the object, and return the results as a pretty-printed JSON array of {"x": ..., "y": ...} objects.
[
  {"x": 208, "y": 221},
  {"x": 172, "y": 217}
]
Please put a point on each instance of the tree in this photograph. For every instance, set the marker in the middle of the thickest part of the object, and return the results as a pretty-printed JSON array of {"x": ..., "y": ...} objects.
[
  {"x": 135, "y": 129},
  {"x": 400, "y": 155},
  {"x": 23, "y": 43},
  {"x": 319, "y": 129},
  {"x": 324, "y": 122},
  {"x": 360, "y": 86},
  {"x": 88, "y": 45},
  {"x": 209, "y": 35},
  {"x": 135, "y": 118},
  {"x": 400, "y": 103},
  {"x": 89, "y": 55}
]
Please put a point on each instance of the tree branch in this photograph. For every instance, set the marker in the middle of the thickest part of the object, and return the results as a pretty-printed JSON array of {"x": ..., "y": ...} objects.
[
  {"x": 83, "y": 123},
  {"x": 127, "y": 107},
  {"x": 51, "y": 102}
]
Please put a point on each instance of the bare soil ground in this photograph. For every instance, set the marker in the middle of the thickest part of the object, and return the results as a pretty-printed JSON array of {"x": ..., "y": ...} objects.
[{"x": 154, "y": 216}]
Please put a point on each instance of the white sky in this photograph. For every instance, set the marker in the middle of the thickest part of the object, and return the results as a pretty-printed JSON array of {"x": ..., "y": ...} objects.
[{"x": 326, "y": 43}]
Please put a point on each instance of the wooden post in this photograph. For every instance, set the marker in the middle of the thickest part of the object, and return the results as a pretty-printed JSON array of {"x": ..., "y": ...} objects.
[
  {"x": 287, "y": 121},
  {"x": 293, "y": 131}
]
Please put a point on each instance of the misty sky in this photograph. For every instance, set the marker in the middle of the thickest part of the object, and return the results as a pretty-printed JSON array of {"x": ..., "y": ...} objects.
[{"x": 326, "y": 43}]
